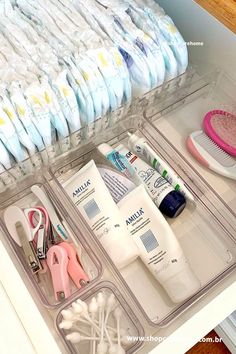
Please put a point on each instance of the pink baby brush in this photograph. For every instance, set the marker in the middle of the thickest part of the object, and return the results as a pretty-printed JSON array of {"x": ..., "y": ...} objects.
[{"x": 220, "y": 126}]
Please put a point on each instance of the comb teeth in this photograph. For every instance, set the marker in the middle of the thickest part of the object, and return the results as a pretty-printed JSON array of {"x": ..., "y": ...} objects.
[{"x": 214, "y": 150}]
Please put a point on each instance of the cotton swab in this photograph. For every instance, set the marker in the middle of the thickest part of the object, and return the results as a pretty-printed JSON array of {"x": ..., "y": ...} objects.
[
  {"x": 93, "y": 309},
  {"x": 94, "y": 317},
  {"x": 66, "y": 324},
  {"x": 68, "y": 314},
  {"x": 76, "y": 314},
  {"x": 82, "y": 310},
  {"x": 76, "y": 337},
  {"x": 117, "y": 314},
  {"x": 112, "y": 347},
  {"x": 111, "y": 303},
  {"x": 70, "y": 325},
  {"x": 101, "y": 301}
]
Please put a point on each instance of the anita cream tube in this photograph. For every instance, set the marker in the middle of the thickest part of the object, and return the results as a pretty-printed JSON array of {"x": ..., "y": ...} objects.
[
  {"x": 141, "y": 147},
  {"x": 159, "y": 249},
  {"x": 91, "y": 196}
]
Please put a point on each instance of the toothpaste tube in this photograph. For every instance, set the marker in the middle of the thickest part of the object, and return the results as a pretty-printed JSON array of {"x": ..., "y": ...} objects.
[{"x": 141, "y": 147}]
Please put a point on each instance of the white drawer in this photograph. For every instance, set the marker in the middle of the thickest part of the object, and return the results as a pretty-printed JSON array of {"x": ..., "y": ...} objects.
[{"x": 184, "y": 331}]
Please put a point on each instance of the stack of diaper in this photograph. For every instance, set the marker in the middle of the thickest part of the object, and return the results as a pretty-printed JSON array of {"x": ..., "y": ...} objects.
[{"x": 66, "y": 63}]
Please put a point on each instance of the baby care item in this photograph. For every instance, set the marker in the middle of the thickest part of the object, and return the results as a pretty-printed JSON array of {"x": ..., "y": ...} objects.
[
  {"x": 25, "y": 115},
  {"x": 91, "y": 196},
  {"x": 67, "y": 101},
  {"x": 9, "y": 137},
  {"x": 99, "y": 322},
  {"x": 220, "y": 126},
  {"x": 141, "y": 147},
  {"x": 24, "y": 138},
  {"x": 54, "y": 262},
  {"x": 20, "y": 231},
  {"x": 169, "y": 201},
  {"x": 118, "y": 184},
  {"x": 143, "y": 22},
  {"x": 169, "y": 31},
  {"x": 41, "y": 116},
  {"x": 120, "y": 162},
  {"x": 159, "y": 249},
  {"x": 210, "y": 155},
  {"x": 57, "y": 224}
]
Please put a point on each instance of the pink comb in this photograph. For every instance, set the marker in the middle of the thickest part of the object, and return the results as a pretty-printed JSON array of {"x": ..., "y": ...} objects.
[
  {"x": 74, "y": 269},
  {"x": 220, "y": 126},
  {"x": 57, "y": 261}
]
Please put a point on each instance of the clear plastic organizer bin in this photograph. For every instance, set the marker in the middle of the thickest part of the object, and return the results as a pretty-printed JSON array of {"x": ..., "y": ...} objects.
[
  {"x": 205, "y": 231},
  {"x": 41, "y": 281},
  {"x": 130, "y": 325},
  {"x": 174, "y": 122}
]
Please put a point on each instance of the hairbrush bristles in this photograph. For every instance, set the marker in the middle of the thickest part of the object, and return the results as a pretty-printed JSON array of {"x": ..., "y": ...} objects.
[{"x": 220, "y": 126}]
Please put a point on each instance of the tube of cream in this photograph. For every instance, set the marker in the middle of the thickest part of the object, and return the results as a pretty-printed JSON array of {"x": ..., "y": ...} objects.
[
  {"x": 169, "y": 201},
  {"x": 159, "y": 249},
  {"x": 118, "y": 184},
  {"x": 120, "y": 162},
  {"x": 141, "y": 147},
  {"x": 91, "y": 196}
]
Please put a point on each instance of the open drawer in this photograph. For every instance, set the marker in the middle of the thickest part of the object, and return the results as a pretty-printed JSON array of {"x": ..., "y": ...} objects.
[{"x": 206, "y": 232}]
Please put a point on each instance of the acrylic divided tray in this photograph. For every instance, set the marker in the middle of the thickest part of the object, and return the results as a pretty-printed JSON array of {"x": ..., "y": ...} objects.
[{"x": 206, "y": 229}]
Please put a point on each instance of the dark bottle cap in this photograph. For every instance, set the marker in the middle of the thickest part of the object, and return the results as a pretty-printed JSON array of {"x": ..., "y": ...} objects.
[{"x": 173, "y": 204}]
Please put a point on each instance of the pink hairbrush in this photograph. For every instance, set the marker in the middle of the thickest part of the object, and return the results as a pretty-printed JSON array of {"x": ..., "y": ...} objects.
[{"x": 220, "y": 126}]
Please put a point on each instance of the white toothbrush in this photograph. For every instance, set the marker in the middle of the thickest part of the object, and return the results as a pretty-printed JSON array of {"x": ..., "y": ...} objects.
[
  {"x": 57, "y": 224},
  {"x": 211, "y": 155}
]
